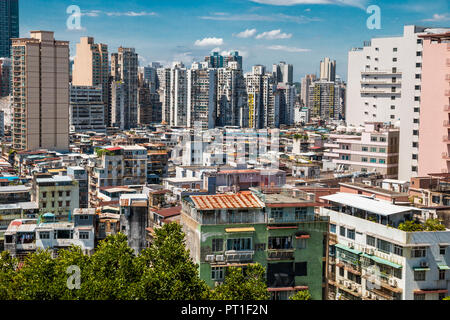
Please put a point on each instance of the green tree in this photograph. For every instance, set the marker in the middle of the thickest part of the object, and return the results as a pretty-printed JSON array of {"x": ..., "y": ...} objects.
[
  {"x": 249, "y": 284},
  {"x": 446, "y": 298},
  {"x": 301, "y": 295},
  {"x": 111, "y": 271},
  {"x": 168, "y": 272},
  {"x": 8, "y": 273},
  {"x": 434, "y": 225},
  {"x": 411, "y": 226}
]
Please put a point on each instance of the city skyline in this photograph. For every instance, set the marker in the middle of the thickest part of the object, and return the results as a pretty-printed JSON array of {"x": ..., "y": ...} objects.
[{"x": 263, "y": 32}]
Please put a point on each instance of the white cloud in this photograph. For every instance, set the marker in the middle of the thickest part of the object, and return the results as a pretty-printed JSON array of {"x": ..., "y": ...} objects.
[
  {"x": 259, "y": 17},
  {"x": 352, "y": 3},
  {"x": 246, "y": 34},
  {"x": 130, "y": 14},
  {"x": 209, "y": 42},
  {"x": 288, "y": 49},
  {"x": 274, "y": 34},
  {"x": 438, "y": 17},
  {"x": 92, "y": 13}
]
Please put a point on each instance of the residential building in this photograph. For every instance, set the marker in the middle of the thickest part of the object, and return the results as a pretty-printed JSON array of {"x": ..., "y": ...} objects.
[
  {"x": 371, "y": 259},
  {"x": 375, "y": 150},
  {"x": 384, "y": 85},
  {"x": 56, "y": 194},
  {"x": 283, "y": 73},
  {"x": 305, "y": 84},
  {"x": 328, "y": 70},
  {"x": 40, "y": 92},
  {"x": 9, "y": 29},
  {"x": 435, "y": 105},
  {"x": 287, "y": 95},
  {"x": 164, "y": 80},
  {"x": 277, "y": 230},
  {"x": 124, "y": 69},
  {"x": 91, "y": 69},
  {"x": 87, "y": 109},
  {"x": 201, "y": 97},
  {"x": 134, "y": 220},
  {"x": 325, "y": 100},
  {"x": 79, "y": 174},
  {"x": 178, "y": 95}
]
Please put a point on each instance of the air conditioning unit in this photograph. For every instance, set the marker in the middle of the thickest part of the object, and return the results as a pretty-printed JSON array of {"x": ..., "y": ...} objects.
[
  {"x": 271, "y": 220},
  {"x": 209, "y": 258},
  {"x": 423, "y": 264},
  {"x": 393, "y": 283},
  {"x": 369, "y": 251},
  {"x": 220, "y": 258}
]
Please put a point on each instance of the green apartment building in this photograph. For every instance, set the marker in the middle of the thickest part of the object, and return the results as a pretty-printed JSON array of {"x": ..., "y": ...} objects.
[{"x": 278, "y": 230}]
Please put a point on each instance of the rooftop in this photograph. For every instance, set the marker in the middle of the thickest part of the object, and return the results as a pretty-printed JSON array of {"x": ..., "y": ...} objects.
[
  {"x": 242, "y": 200},
  {"x": 376, "y": 206}
]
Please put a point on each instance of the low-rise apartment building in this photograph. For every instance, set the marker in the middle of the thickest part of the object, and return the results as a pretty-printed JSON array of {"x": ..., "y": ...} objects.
[
  {"x": 371, "y": 259},
  {"x": 278, "y": 230},
  {"x": 375, "y": 150}
]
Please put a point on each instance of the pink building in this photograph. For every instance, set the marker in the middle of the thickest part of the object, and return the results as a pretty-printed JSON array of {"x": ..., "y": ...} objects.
[{"x": 434, "y": 140}]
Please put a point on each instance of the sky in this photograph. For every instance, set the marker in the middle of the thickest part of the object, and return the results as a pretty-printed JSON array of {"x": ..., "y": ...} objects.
[{"x": 299, "y": 32}]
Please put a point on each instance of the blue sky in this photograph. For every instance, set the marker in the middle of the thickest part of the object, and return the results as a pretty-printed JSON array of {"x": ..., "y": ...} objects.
[{"x": 300, "y": 32}]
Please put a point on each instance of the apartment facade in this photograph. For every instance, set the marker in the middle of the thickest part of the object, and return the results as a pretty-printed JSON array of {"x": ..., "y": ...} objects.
[
  {"x": 40, "y": 92},
  {"x": 178, "y": 95},
  {"x": 384, "y": 85},
  {"x": 91, "y": 69},
  {"x": 328, "y": 70},
  {"x": 435, "y": 99},
  {"x": 5, "y": 77},
  {"x": 201, "y": 97},
  {"x": 87, "y": 110},
  {"x": 325, "y": 100},
  {"x": 375, "y": 150},
  {"x": 370, "y": 259},
  {"x": 278, "y": 231}
]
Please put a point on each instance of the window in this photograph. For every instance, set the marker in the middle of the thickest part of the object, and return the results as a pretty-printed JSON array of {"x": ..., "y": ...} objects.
[
  {"x": 373, "y": 149},
  {"x": 84, "y": 235},
  {"x": 418, "y": 252},
  {"x": 370, "y": 241},
  {"x": 394, "y": 49},
  {"x": 373, "y": 160},
  {"x": 301, "y": 243},
  {"x": 418, "y": 76},
  {"x": 416, "y": 98},
  {"x": 414, "y": 156},
  {"x": 280, "y": 243},
  {"x": 341, "y": 271},
  {"x": 276, "y": 213},
  {"x": 398, "y": 250},
  {"x": 417, "y": 87},
  {"x": 53, "y": 194},
  {"x": 414, "y": 169},
  {"x": 332, "y": 228},
  {"x": 394, "y": 59},
  {"x": 415, "y": 144},
  {"x": 392, "y": 116},
  {"x": 240, "y": 244},
  {"x": 418, "y": 53},
  {"x": 382, "y": 161},
  {"x": 67, "y": 193},
  {"x": 365, "y": 149},
  {"x": 419, "y": 275},
  {"x": 398, "y": 273},
  {"x": 364, "y": 159},
  {"x": 44, "y": 235},
  {"x": 382, "y": 150},
  {"x": 441, "y": 274},
  {"x": 342, "y": 231},
  {"x": 217, "y": 273},
  {"x": 416, "y": 109},
  {"x": 419, "y": 296},
  {"x": 392, "y": 107},
  {"x": 217, "y": 245},
  {"x": 382, "y": 139},
  {"x": 60, "y": 203},
  {"x": 60, "y": 193},
  {"x": 442, "y": 250},
  {"x": 44, "y": 194},
  {"x": 384, "y": 246},
  {"x": 301, "y": 213},
  {"x": 67, "y": 203},
  {"x": 418, "y": 65},
  {"x": 351, "y": 234},
  {"x": 44, "y": 204},
  {"x": 374, "y": 139},
  {"x": 419, "y": 41},
  {"x": 415, "y": 132}
]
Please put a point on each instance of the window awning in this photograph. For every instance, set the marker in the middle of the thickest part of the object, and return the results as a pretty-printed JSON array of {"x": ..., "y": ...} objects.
[
  {"x": 430, "y": 291},
  {"x": 443, "y": 267},
  {"x": 422, "y": 269},
  {"x": 383, "y": 261},
  {"x": 233, "y": 230},
  {"x": 280, "y": 228},
  {"x": 342, "y": 247}
]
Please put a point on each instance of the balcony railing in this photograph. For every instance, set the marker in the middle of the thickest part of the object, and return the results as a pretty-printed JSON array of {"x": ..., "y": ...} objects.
[
  {"x": 239, "y": 256},
  {"x": 280, "y": 254}
]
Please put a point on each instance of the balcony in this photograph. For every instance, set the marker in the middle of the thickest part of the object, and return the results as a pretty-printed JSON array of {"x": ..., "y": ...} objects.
[
  {"x": 380, "y": 82},
  {"x": 445, "y": 156},
  {"x": 239, "y": 256},
  {"x": 280, "y": 254},
  {"x": 380, "y": 72},
  {"x": 446, "y": 123},
  {"x": 447, "y": 108},
  {"x": 386, "y": 91}
]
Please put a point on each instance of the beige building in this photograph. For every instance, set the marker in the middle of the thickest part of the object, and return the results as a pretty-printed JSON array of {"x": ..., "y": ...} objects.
[
  {"x": 40, "y": 92},
  {"x": 91, "y": 67}
]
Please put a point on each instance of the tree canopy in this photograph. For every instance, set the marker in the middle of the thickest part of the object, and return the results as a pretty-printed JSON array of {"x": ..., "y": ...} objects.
[
  {"x": 301, "y": 295},
  {"x": 164, "y": 271},
  {"x": 429, "y": 225}
]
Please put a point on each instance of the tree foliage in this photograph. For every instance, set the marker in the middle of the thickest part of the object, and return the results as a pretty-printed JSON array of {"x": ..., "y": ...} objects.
[
  {"x": 414, "y": 226},
  {"x": 248, "y": 284},
  {"x": 164, "y": 271},
  {"x": 301, "y": 295}
]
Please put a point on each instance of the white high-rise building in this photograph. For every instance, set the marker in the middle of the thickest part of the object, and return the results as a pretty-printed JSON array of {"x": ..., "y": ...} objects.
[
  {"x": 178, "y": 95},
  {"x": 328, "y": 70},
  {"x": 201, "y": 96},
  {"x": 384, "y": 82},
  {"x": 284, "y": 72},
  {"x": 163, "y": 80}
]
